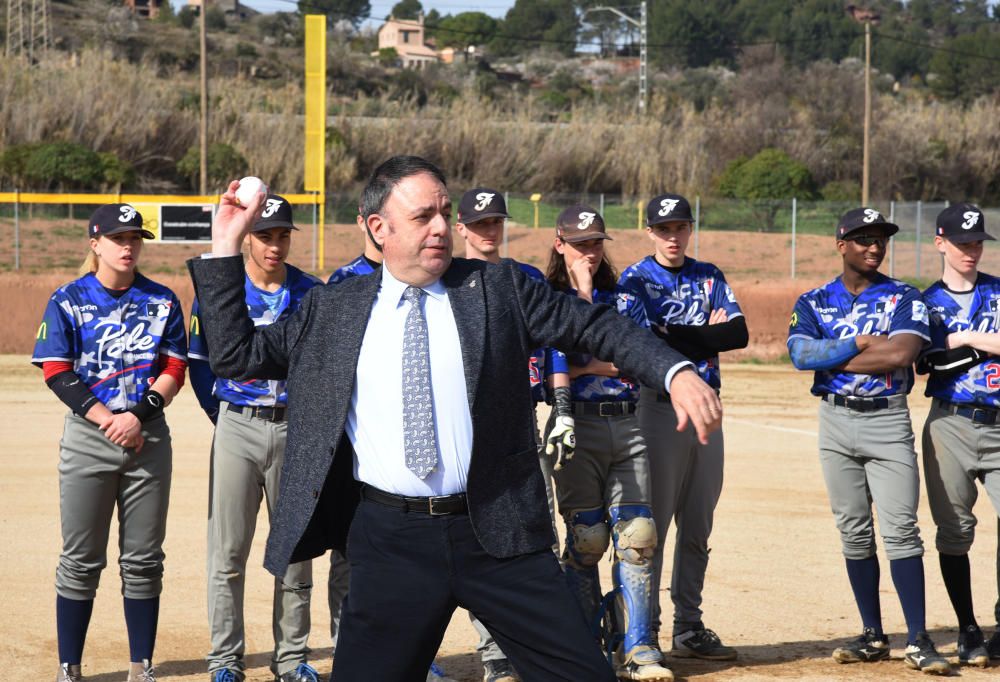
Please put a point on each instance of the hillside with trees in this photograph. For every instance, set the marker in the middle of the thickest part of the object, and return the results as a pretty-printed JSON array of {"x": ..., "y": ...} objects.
[{"x": 545, "y": 102}]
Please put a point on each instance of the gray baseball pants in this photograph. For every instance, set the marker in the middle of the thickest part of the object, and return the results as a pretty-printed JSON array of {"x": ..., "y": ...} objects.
[
  {"x": 95, "y": 476},
  {"x": 336, "y": 589},
  {"x": 686, "y": 482},
  {"x": 957, "y": 453},
  {"x": 247, "y": 453},
  {"x": 866, "y": 457}
]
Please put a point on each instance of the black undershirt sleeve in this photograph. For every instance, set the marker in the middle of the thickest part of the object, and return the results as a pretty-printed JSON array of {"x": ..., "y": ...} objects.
[
  {"x": 701, "y": 342},
  {"x": 946, "y": 363},
  {"x": 72, "y": 391}
]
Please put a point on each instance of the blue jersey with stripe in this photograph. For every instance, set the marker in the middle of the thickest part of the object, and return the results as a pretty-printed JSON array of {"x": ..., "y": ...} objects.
[
  {"x": 653, "y": 296},
  {"x": 264, "y": 308},
  {"x": 885, "y": 308},
  {"x": 594, "y": 388},
  {"x": 358, "y": 266},
  {"x": 979, "y": 384},
  {"x": 114, "y": 344}
]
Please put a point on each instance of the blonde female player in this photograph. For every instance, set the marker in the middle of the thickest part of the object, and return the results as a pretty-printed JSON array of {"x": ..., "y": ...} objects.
[{"x": 112, "y": 348}]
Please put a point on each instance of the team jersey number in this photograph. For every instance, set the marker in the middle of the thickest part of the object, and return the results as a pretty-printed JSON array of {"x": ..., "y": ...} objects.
[{"x": 992, "y": 374}]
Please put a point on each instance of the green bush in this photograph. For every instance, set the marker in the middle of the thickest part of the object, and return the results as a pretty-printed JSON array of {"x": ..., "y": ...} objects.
[
  {"x": 764, "y": 180},
  {"x": 224, "y": 164}
]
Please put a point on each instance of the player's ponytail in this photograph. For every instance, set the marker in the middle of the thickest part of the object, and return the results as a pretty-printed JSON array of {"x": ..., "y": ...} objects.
[{"x": 89, "y": 264}]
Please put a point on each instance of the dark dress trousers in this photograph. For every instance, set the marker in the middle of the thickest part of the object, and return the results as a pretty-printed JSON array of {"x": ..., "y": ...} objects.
[{"x": 501, "y": 316}]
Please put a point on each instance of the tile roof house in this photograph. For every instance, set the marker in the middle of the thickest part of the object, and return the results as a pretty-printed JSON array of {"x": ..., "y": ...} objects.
[{"x": 407, "y": 38}]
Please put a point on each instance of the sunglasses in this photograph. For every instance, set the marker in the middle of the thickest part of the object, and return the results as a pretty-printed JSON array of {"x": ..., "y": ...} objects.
[{"x": 867, "y": 240}]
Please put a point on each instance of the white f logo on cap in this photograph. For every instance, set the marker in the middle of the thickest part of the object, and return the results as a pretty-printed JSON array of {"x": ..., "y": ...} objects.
[
  {"x": 127, "y": 214},
  {"x": 971, "y": 218},
  {"x": 586, "y": 218},
  {"x": 272, "y": 206},
  {"x": 484, "y": 199},
  {"x": 871, "y": 215},
  {"x": 667, "y": 205}
]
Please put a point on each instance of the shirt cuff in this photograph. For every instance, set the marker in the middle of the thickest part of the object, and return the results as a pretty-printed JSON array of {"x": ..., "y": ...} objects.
[{"x": 674, "y": 370}]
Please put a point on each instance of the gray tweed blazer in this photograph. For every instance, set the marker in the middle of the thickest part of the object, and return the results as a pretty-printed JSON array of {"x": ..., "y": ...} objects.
[{"x": 501, "y": 316}]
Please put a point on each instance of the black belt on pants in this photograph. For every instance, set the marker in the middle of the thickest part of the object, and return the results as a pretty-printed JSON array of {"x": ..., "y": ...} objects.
[
  {"x": 857, "y": 403},
  {"x": 271, "y": 413},
  {"x": 441, "y": 505},
  {"x": 616, "y": 408},
  {"x": 978, "y": 414}
]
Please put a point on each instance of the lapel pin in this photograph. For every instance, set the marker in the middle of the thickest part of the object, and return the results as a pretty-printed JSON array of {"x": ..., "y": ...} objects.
[{"x": 472, "y": 283}]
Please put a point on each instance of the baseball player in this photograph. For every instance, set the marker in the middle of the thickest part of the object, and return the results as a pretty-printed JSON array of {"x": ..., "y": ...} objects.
[
  {"x": 112, "y": 348},
  {"x": 861, "y": 333},
  {"x": 603, "y": 492},
  {"x": 961, "y": 436},
  {"x": 247, "y": 454},
  {"x": 481, "y": 215},
  {"x": 366, "y": 263},
  {"x": 690, "y": 304}
]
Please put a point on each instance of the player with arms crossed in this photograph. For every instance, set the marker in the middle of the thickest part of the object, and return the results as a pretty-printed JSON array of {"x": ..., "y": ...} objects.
[
  {"x": 481, "y": 215},
  {"x": 691, "y": 305},
  {"x": 962, "y": 435},
  {"x": 247, "y": 453},
  {"x": 861, "y": 333},
  {"x": 603, "y": 491},
  {"x": 112, "y": 348}
]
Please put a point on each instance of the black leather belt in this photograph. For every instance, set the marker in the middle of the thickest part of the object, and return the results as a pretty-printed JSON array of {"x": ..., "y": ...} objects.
[
  {"x": 271, "y": 413},
  {"x": 441, "y": 505},
  {"x": 857, "y": 403},
  {"x": 978, "y": 414},
  {"x": 617, "y": 408}
]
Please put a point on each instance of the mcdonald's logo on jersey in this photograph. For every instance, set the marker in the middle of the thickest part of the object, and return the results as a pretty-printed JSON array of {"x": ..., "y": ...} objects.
[
  {"x": 195, "y": 326},
  {"x": 43, "y": 331}
]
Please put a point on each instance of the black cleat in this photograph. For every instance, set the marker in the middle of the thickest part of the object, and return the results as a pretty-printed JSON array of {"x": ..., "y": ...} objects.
[
  {"x": 867, "y": 648},
  {"x": 922, "y": 656}
]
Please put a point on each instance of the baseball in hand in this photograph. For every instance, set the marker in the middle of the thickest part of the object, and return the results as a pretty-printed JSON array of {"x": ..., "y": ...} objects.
[{"x": 249, "y": 186}]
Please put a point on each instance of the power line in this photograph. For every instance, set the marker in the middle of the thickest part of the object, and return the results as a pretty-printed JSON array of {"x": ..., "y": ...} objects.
[{"x": 937, "y": 48}]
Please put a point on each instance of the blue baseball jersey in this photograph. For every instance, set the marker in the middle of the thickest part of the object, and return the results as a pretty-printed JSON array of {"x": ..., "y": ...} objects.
[
  {"x": 264, "y": 308},
  {"x": 540, "y": 364},
  {"x": 979, "y": 384},
  {"x": 594, "y": 388},
  {"x": 653, "y": 296},
  {"x": 114, "y": 344},
  {"x": 886, "y": 308},
  {"x": 358, "y": 266}
]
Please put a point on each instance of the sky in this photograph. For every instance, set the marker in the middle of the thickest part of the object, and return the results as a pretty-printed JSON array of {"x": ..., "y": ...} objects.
[{"x": 381, "y": 8}]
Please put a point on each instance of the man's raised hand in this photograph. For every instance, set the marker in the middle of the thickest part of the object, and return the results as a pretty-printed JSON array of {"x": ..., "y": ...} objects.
[{"x": 233, "y": 222}]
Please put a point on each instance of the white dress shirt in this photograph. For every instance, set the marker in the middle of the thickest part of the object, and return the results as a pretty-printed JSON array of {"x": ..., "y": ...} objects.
[{"x": 375, "y": 419}]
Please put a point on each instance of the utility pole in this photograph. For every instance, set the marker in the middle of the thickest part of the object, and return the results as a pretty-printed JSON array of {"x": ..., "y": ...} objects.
[
  {"x": 643, "y": 45},
  {"x": 203, "y": 125},
  {"x": 867, "y": 17},
  {"x": 27, "y": 36}
]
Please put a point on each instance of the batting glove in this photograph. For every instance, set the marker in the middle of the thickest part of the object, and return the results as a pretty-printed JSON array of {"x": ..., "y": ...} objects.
[{"x": 561, "y": 441}]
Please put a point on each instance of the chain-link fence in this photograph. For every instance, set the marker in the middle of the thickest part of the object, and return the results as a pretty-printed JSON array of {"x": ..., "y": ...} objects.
[{"x": 773, "y": 239}]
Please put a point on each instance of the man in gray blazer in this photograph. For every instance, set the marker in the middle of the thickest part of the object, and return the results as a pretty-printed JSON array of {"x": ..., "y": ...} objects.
[{"x": 410, "y": 427}]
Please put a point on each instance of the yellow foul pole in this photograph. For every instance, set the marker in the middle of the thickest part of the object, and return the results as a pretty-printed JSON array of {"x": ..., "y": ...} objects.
[{"x": 315, "y": 128}]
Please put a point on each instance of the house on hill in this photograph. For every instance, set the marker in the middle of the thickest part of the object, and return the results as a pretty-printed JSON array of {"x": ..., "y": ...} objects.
[
  {"x": 144, "y": 8},
  {"x": 230, "y": 7},
  {"x": 407, "y": 38}
]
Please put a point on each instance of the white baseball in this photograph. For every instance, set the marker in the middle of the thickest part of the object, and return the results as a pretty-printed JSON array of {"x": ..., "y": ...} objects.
[{"x": 249, "y": 186}]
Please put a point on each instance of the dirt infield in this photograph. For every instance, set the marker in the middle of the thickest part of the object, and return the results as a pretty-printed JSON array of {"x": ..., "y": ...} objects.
[{"x": 776, "y": 586}]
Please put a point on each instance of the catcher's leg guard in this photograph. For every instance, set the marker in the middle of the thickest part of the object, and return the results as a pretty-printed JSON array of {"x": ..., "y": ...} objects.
[
  {"x": 634, "y": 535},
  {"x": 586, "y": 541}
]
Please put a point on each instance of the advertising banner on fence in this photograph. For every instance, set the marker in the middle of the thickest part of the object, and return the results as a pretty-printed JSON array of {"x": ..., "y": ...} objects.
[{"x": 178, "y": 223}]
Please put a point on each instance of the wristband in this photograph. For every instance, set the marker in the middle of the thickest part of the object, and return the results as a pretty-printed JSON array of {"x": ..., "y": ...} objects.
[
  {"x": 149, "y": 407},
  {"x": 563, "y": 404}
]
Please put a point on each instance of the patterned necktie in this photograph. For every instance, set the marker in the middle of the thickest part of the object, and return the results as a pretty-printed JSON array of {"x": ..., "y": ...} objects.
[{"x": 419, "y": 440}]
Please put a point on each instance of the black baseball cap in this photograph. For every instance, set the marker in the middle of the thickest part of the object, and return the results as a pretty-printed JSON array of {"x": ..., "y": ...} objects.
[
  {"x": 114, "y": 218},
  {"x": 481, "y": 203},
  {"x": 578, "y": 223},
  {"x": 962, "y": 223},
  {"x": 860, "y": 218},
  {"x": 668, "y": 208},
  {"x": 277, "y": 212}
]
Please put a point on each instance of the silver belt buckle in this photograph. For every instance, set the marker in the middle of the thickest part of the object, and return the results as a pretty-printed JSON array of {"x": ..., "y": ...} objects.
[
  {"x": 430, "y": 506},
  {"x": 602, "y": 413}
]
